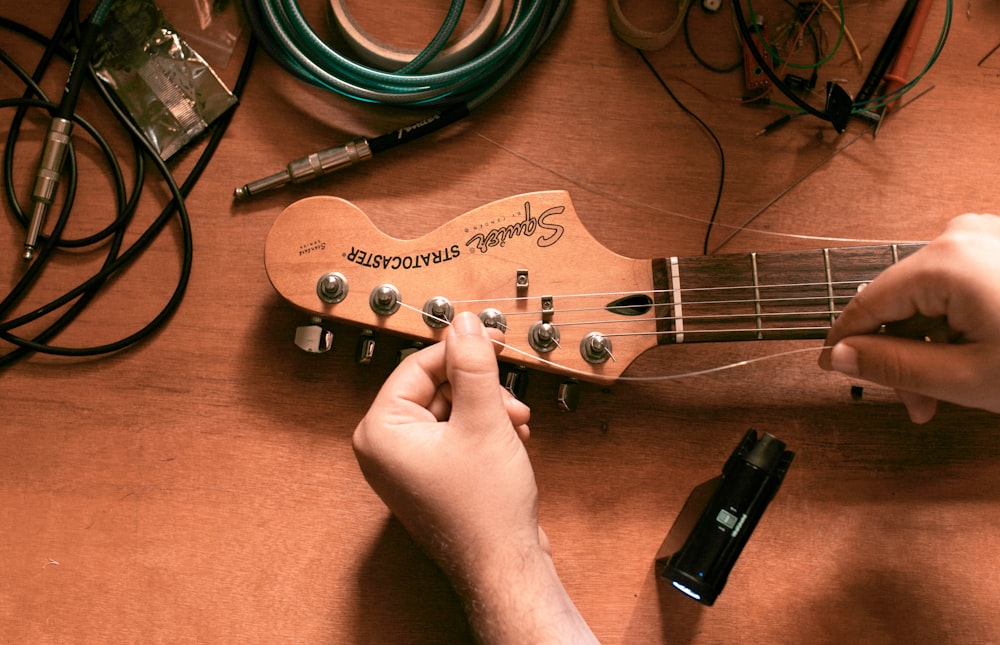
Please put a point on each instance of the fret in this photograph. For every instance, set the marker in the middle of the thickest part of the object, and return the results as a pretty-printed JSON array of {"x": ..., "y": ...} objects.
[
  {"x": 756, "y": 296},
  {"x": 769, "y": 296},
  {"x": 829, "y": 285}
]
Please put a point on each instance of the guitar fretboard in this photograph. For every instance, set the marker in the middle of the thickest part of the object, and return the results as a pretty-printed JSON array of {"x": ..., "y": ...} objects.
[{"x": 764, "y": 296}]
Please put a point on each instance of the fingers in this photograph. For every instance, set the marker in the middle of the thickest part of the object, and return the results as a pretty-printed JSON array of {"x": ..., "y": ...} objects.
[
  {"x": 921, "y": 371},
  {"x": 425, "y": 379},
  {"x": 417, "y": 379},
  {"x": 518, "y": 413},
  {"x": 473, "y": 373},
  {"x": 920, "y": 408},
  {"x": 889, "y": 298}
]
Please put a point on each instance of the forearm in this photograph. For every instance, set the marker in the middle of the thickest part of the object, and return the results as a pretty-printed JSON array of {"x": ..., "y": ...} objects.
[{"x": 520, "y": 599}]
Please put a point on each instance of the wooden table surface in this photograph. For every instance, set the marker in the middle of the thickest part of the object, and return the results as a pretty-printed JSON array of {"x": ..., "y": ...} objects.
[{"x": 201, "y": 487}]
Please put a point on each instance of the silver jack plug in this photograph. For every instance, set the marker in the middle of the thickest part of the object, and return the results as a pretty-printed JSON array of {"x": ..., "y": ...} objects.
[
  {"x": 50, "y": 166},
  {"x": 315, "y": 165}
]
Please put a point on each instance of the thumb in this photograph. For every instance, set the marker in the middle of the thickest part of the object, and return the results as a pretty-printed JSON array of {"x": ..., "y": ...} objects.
[{"x": 473, "y": 374}]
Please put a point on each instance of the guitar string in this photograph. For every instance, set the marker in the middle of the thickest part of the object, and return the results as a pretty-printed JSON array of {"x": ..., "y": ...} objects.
[
  {"x": 569, "y": 371},
  {"x": 719, "y": 317},
  {"x": 824, "y": 298},
  {"x": 734, "y": 228},
  {"x": 756, "y": 316},
  {"x": 685, "y": 290},
  {"x": 870, "y": 127},
  {"x": 857, "y": 284}
]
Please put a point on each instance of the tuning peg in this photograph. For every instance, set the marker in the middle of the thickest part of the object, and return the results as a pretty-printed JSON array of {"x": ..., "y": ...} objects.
[
  {"x": 332, "y": 287},
  {"x": 568, "y": 395},
  {"x": 515, "y": 379},
  {"x": 314, "y": 337},
  {"x": 543, "y": 337},
  {"x": 365, "y": 351},
  {"x": 595, "y": 348}
]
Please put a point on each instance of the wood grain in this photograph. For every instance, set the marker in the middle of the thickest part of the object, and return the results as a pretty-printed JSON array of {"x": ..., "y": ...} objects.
[{"x": 201, "y": 486}]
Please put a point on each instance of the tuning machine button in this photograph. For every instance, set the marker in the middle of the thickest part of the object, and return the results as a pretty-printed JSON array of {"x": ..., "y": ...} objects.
[
  {"x": 543, "y": 337},
  {"x": 493, "y": 318},
  {"x": 314, "y": 337},
  {"x": 385, "y": 299},
  {"x": 406, "y": 351},
  {"x": 365, "y": 350},
  {"x": 332, "y": 287},
  {"x": 438, "y": 312},
  {"x": 568, "y": 395},
  {"x": 595, "y": 348},
  {"x": 515, "y": 380}
]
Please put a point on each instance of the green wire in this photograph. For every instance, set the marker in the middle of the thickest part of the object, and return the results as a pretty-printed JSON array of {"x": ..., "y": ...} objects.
[
  {"x": 880, "y": 101},
  {"x": 891, "y": 97},
  {"x": 775, "y": 56}
]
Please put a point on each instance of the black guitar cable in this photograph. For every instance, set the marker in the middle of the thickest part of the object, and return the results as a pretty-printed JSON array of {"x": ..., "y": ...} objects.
[{"x": 56, "y": 315}]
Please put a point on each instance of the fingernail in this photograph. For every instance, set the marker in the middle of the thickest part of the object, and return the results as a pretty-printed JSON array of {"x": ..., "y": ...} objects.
[
  {"x": 467, "y": 324},
  {"x": 844, "y": 358}
]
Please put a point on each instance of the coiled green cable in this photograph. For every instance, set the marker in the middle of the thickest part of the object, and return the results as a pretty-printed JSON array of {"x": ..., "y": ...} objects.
[{"x": 287, "y": 36}]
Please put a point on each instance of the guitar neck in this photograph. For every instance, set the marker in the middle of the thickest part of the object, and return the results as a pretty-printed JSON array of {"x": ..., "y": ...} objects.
[
  {"x": 763, "y": 296},
  {"x": 567, "y": 304}
]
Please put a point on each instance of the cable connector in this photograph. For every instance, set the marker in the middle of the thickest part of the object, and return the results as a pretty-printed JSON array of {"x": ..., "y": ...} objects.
[
  {"x": 57, "y": 143},
  {"x": 315, "y": 165}
]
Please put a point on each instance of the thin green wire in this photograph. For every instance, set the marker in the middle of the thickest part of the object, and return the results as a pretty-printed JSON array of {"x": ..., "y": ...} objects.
[
  {"x": 891, "y": 97},
  {"x": 775, "y": 56}
]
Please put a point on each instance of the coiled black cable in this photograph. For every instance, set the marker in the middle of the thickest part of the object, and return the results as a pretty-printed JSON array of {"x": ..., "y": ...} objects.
[{"x": 117, "y": 257}]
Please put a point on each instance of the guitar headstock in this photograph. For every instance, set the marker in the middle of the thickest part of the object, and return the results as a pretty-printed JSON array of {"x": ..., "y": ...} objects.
[{"x": 525, "y": 263}]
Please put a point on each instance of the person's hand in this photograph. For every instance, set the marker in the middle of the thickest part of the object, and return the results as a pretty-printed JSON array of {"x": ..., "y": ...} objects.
[
  {"x": 442, "y": 445},
  {"x": 439, "y": 445},
  {"x": 938, "y": 312}
]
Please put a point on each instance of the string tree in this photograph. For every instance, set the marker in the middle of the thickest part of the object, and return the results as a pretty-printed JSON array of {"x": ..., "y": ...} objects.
[
  {"x": 548, "y": 308},
  {"x": 521, "y": 282}
]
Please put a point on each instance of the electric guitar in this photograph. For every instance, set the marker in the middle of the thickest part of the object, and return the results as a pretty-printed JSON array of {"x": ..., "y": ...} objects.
[{"x": 526, "y": 265}]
